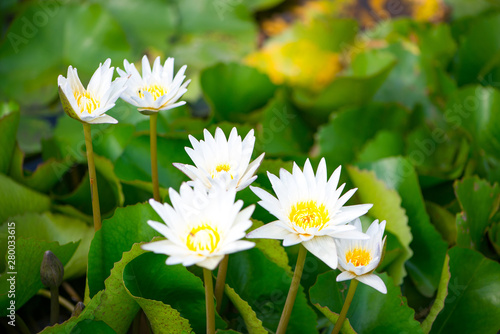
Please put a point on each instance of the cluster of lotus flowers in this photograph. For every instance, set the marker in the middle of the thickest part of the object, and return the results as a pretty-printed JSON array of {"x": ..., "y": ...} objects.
[{"x": 204, "y": 222}]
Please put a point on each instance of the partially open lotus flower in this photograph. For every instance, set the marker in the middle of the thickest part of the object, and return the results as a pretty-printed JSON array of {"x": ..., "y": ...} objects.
[
  {"x": 358, "y": 259},
  {"x": 89, "y": 105},
  {"x": 157, "y": 88},
  {"x": 221, "y": 160}
]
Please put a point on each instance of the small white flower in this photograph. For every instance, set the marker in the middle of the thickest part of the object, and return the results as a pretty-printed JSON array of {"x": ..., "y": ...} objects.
[
  {"x": 201, "y": 227},
  {"x": 89, "y": 105},
  {"x": 156, "y": 89},
  {"x": 218, "y": 160},
  {"x": 359, "y": 258},
  {"x": 309, "y": 211}
]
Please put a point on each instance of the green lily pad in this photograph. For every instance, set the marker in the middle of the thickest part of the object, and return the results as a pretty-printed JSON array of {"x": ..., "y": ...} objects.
[
  {"x": 87, "y": 326},
  {"x": 234, "y": 90},
  {"x": 109, "y": 187},
  {"x": 31, "y": 131},
  {"x": 46, "y": 175},
  {"x": 479, "y": 202},
  {"x": 147, "y": 276},
  {"x": 163, "y": 318},
  {"x": 127, "y": 226},
  {"x": 17, "y": 199},
  {"x": 346, "y": 135},
  {"x": 111, "y": 142},
  {"x": 252, "y": 323},
  {"x": 444, "y": 221},
  {"x": 283, "y": 131},
  {"x": 479, "y": 50},
  {"x": 474, "y": 285},
  {"x": 385, "y": 144},
  {"x": 473, "y": 108}
]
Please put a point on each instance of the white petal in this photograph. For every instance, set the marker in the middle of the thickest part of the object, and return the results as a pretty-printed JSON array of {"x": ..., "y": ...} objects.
[
  {"x": 268, "y": 202},
  {"x": 292, "y": 239},
  {"x": 103, "y": 119},
  {"x": 211, "y": 262},
  {"x": 374, "y": 281},
  {"x": 271, "y": 230},
  {"x": 146, "y": 68},
  {"x": 349, "y": 213},
  {"x": 323, "y": 247},
  {"x": 160, "y": 227},
  {"x": 374, "y": 228},
  {"x": 345, "y": 275},
  {"x": 357, "y": 224},
  {"x": 159, "y": 208},
  {"x": 186, "y": 169},
  {"x": 171, "y": 106},
  {"x": 164, "y": 247},
  {"x": 342, "y": 200},
  {"x": 334, "y": 179},
  {"x": 252, "y": 167},
  {"x": 349, "y": 234},
  {"x": 246, "y": 183},
  {"x": 238, "y": 246},
  {"x": 321, "y": 173}
]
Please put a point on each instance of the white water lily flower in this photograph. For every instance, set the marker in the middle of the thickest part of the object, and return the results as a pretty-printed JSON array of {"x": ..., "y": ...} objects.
[
  {"x": 89, "y": 105},
  {"x": 156, "y": 89},
  {"x": 359, "y": 258},
  {"x": 310, "y": 211},
  {"x": 201, "y": 227},
  {"x": 218, "y": 160}
]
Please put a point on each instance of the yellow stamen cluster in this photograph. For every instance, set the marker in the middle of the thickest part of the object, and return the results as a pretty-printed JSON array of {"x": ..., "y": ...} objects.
[
  {"x": 86, "y": 101},
  {"x": 308, "y": 215},
  {"x": 219, "y": 168},
  {"x": 358, "y": 257},
  {"x": 203, "y": 238},
  {"x": 155, "y": 90}
]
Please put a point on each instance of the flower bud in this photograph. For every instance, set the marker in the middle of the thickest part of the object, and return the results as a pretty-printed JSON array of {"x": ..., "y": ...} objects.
[
  {"x": 51, "y": 270},
  {"x": 79, "y": 307}
]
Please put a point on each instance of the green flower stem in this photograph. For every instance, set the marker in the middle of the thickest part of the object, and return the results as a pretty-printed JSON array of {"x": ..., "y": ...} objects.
[
  {"x": 154, "y": 156},
  {"x": 62, "y": 301},
  {"x": 209, "y": 300},
  {"x": 221, "y": 281},
  {"x": 292, "y": 293},
  {"x": 345, "y": 308},
  {"x": 93, "y": 179},
  {"x": 54, "y": 305}
]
